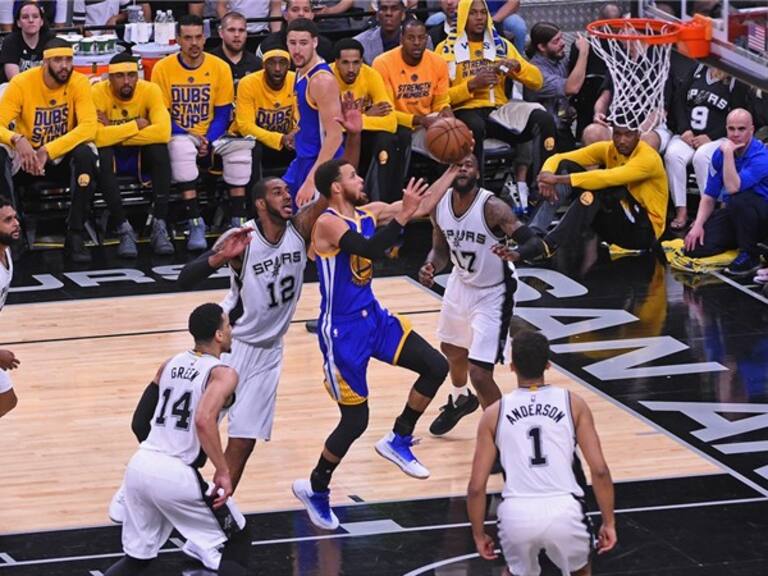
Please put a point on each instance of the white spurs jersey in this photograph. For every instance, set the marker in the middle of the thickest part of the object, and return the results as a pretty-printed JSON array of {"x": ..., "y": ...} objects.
[
  {"x": 469, "y": 240},
  {"x": 537, "y": 443},
  {"x": 263, "y": 295},
  {"x": 6, "y": 275},
  {"x": 182, "y": 384}
]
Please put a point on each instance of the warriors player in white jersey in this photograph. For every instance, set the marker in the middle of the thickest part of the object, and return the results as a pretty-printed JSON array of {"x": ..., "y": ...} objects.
[
  {"x": 163, "y": 487},
  {"x": 534, "y": 431},
  {"x": 479, "y": 298},
  {"x": 9, "y": 233}
]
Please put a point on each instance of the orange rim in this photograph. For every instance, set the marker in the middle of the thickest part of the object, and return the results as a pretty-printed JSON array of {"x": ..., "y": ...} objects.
[{"x": 664, "y": 32}]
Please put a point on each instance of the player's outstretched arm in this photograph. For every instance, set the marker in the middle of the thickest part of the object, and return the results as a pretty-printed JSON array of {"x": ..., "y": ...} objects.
[
  {"x": 437, "y": 259},
  {"x": 485, "y": 454},
  {"x": 306, "y": 217},
  {"x": 141, "y": 423},
  {"x": 602, "y": 484},
  {"x": 220, "y": 387},
  {"x": 228, "y": 249},
  {"x": 436, "y": 191}
]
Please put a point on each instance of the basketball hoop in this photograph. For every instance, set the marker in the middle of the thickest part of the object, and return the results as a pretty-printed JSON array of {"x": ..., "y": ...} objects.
[{"x": 636, "y": 52}]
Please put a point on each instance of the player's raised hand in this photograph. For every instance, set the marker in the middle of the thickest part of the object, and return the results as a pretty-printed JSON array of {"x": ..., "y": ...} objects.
[
  {"x": 427, "y": 274},
  {"x": 8, "y": 360},
  {"x": 413, "y": 194},
  {"x": 485, "y": 547},
  {"x": 233, "y": 242},
  {"x": 606, "y": 539},
  {"x": 351, "y": 116},
  {"x": 222, "y": 488}
]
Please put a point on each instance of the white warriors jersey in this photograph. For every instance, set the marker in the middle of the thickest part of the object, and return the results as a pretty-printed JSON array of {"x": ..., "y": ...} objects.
[
  {"x": 263, "y": 295},
  {"x": 182, "y": 384},
  {"x": 6, "y": 275},
  {"x": 537, "y": 443},
  {"x": 470, "y": 240}
]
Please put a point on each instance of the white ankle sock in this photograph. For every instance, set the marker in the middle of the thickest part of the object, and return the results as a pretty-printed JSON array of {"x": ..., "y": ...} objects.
[{"x": 456, "y": 392}]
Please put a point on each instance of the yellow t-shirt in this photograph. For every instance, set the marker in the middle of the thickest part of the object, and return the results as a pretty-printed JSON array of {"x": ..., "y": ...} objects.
[
  {"x": 463, "y": 98},
  {"x": 414, "y": 90},
  {"x": 192, "y": 95},
  {"x": 368, "y": 89},
  {"x": 147, "y": 103},
  {"x": 262, "y": 112},
  {"x": 642, "y": 173},
  {"x": 58, "y": 119}
]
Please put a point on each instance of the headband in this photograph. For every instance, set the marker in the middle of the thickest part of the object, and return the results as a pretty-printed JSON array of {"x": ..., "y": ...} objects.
[
  {"x": 61, "y": 51},
  {"x": 276, "y": 53},
  {"x": 123, "y": 67}
]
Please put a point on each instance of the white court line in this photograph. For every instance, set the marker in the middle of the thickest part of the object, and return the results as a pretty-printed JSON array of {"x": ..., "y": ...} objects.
[
  {"x": 441, "y": 563},
  {"x": 740, "y": 287},
  {"x": 388, "y": 531},
  {"x": 7, "y": 558}
]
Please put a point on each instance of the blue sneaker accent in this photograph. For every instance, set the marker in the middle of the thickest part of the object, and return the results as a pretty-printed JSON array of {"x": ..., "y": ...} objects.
[
  {"x": 743, "y": 265},
  {"x": 397, "y": 449},
  {"x": 318, "y": 505},
  {"x": 196, "y": 241}
]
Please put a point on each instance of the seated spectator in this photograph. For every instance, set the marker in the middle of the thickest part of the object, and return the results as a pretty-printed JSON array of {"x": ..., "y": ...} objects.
[
  {"x": 294, "y": 10},
  {"x": 105, "y": 13},
  {"x": 23, "y": 48},
  {"x": 738, "y": 177},
  {"x": 479, "y": 63},
  {"x": 133, "y": 134},
  {"x": 266, "y": 109},
  {"x": 698, "y": 114},
  {"x": 333, "y": 8},
  {"x": 379, "y": 155},
  {"x": 757, "y": 104},
  {"x": 624, "y": 201},
  {"x": 252, "y": 9},
  {"x": 385, "y": 36},
  {"x": 442, "y": 23},
  {"x": 547, "y": 53},
  {"x": 54, "y": 118},
  {"x": 198, "y": 90},
  {"x": 232, "y": 31},
  {"x": 505, "y": 19},
  {"x": 416, "y": 80}
]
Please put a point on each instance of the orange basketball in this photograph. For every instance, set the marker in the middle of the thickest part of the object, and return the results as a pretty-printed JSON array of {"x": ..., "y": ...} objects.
[{"x": 449, "y": 140}]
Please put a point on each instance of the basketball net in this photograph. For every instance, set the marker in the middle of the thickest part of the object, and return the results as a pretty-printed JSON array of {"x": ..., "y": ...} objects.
[{"x": 639, "y": 71}]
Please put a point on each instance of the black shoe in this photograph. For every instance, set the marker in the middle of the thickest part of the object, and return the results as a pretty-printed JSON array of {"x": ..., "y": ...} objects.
[
  {"x": 311, "y": 326},
  {"x": 452, "y": 412},
  {"x": 75, "y": 249}
]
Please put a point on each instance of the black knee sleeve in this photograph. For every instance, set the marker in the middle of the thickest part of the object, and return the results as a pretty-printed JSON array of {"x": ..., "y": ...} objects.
[
  {"x": 354, "y": 421},
  {"x": 236, "y": 552},
  {"x": 431, "y": 365}
]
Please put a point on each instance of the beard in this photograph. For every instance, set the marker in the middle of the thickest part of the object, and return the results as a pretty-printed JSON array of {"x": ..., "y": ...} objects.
[
  {"x": 7, "y": 240},
  {"x": 467, "y": 187}
]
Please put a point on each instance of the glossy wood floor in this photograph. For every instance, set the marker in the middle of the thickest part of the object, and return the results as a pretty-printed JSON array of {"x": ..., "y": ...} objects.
[{"x": 85, "y": 363}]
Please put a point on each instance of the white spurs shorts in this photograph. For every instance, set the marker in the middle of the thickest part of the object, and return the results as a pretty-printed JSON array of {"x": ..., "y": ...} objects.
[
  {"x": 163, "y": 493},
  {"x": 477, "y": 319},
  {"x": 556, "y": 524},
  {"x": 259, "y": 368},
  {"x": 5, "y": 382}
]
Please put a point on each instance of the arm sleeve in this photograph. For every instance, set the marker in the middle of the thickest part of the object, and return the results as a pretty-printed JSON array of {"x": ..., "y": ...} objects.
[
  {"x": 245, "y": 116},
  {"x": 159, "y": 129},
  {"x": 221, "y": 115},
  {"x": 196, "y": 271},
  {"x": 587, "y": 156},
  {"x": 10, "y": 106},
  {"x": 372, "y": 248},
  {"x": 378, "y": 93},
  {"x": 141, "y": 423},
  {"x": 85, "y": 118}
]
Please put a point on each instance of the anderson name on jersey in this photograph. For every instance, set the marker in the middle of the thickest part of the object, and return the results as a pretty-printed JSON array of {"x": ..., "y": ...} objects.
[{"x": 263, "y": 295}]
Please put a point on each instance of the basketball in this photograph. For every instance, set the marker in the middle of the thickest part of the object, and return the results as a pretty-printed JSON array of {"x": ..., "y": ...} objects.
[{"x": 449, "y": 140}]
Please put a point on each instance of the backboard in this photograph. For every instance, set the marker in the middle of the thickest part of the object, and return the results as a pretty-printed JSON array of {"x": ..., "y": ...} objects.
[{"x": 739, "y": 35}]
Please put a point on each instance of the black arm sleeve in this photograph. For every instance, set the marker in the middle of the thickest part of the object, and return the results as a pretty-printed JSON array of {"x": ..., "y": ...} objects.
[
  {"x": 145, "y": 409},
  {"x": 372, "y": 248},
  {"x": 196, "y": 271}
]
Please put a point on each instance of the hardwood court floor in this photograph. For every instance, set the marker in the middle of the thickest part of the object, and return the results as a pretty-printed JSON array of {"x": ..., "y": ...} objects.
[{"x": 85, "y": 364}]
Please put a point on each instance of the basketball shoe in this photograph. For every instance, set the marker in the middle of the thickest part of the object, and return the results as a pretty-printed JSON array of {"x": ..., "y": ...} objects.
[
  {"x": 318, "y": 505},
  {"x": 453, "y": 411},
  {"x": 208, "y": 558},
  {"x": 397, "y": 449}
]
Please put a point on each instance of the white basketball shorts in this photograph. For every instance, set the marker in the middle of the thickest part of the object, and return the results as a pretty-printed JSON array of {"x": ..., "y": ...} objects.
[
  {"x": 556, "y": 524},
  {"x": 163, "y": 493},
  {"x": 259, "y": 369},
  {"x": 5, "y": 382},
  {"x": 477, "y": 319}
]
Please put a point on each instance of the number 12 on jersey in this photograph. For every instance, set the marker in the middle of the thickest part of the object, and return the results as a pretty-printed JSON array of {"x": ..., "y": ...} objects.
[{"x": 284, "y": 293}]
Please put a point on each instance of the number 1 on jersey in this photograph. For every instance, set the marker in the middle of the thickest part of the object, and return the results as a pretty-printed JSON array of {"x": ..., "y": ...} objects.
[{"x": 535, "y": 435}]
